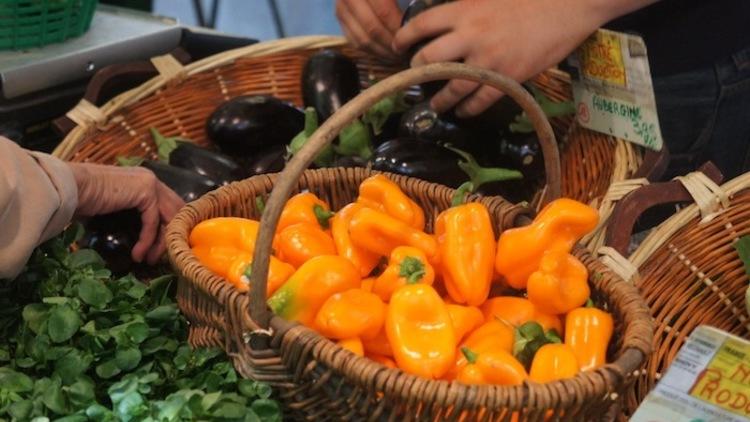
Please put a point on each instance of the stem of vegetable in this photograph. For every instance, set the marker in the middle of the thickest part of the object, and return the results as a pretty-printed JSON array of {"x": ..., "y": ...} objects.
[{"x": 478, "y": 175}]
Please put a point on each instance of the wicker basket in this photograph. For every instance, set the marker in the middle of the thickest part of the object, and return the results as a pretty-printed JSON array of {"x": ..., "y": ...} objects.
[
  {"x": 36, "y": 23},
  {"x": 318, "y": 380},
  {"x": 179, "y": 100},
  {"x": 687, "y": 268}
]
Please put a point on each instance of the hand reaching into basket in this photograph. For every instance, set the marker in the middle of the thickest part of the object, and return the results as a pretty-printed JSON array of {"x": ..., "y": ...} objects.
[
  {"x": 515, "y": 37},
  {"x": 105, "y": 189},
  {"x": 370, "y": 24}
]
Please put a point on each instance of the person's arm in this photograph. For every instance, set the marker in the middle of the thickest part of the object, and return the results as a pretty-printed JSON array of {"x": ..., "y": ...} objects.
[
  {"x": 519, "y": 38},
  {"x": 38, "y": 196}
]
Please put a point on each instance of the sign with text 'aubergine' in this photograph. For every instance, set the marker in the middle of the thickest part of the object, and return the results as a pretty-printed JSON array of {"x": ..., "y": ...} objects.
[
  {"x": 612, "y": 88},
  {"x": 708, "y": 380}
]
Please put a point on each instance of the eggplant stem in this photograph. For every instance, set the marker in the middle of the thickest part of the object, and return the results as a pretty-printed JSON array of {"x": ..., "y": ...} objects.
[
  {"x": 311, "y": 121},
  {"x": 479, "y": 175}
]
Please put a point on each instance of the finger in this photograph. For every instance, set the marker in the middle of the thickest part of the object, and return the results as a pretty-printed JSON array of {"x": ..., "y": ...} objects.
[
  {"x": 452, "y": 94},
  {"x": 449, "y": 47},
  {"x": 149, "y": 227},
  {"x": 356, "y": 30},
  {"x": 429, "y": 23},
  {"x": 388, "y": 13},
  {"x": 169, "y": 202},
  {"x": 158, "y": 248},
  {"x": 478, "y": 102}
]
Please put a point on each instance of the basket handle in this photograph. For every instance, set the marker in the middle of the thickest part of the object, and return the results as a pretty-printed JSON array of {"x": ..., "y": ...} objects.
[
  {"x": 289, "y": 177},
  {"x": 634, "y": 204}
]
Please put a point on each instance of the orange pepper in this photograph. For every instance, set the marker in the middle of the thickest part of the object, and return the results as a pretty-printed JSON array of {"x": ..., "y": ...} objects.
[
  {"x": 465, "y": 319},
  {"x": 557, "y": 227},
  {"x": 353, "y": 313},
  {"x": 420, "y": 331},
  {"x": 305, "y": 207},
  {"x": 496, "y": 367},
  {"x": 517, "y": 311},
  {"x": 406, "y": 265},
  {"x": 301, "y": 297},
  {"x": 383, "y": 360},
  {"x": 467, "y": 252},
  {"x": 553, "y": 362},
  {"x": 588, "y": 331},
  {"x": 381, "y": 193},
  {"x": 367, "y": 284},
  {"x": 364, "y": 260},
  {"x": 490, "y": 336},
  {"x": 297, "y": 243},
  {"x": 235, "y": 232},
  {"x": 380, "y": 234},
  {"x": 380, "y": 344},
  {"x": 560, "y": 285},
  {"x": 232, "y": 264},
  {"x": 353, "y": 345}
]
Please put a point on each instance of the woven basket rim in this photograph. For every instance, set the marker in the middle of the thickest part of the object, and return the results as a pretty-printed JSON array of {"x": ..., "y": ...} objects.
[
  {"x": 628, "y": 357},
  {"x": 664, "y": 231}
]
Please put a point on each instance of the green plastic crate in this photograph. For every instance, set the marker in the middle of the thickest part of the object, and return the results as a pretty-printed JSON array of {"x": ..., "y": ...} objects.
[{"x": 35, "y": 23}]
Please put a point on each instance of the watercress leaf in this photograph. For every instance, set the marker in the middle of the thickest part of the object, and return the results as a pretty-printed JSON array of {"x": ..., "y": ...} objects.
[
  {"x": 149, "y": 378},
  {"x": 73, "y": 233},
  {"x": 128, "y": 359},
  {"x": 54, "y": 399},
  {"x": 73, "y": 418},
  {"x": 85, "y": 258},
  {"x": 137, "y": 290},
  {"x": 4, "y": 355},
  {"x": 131, "y": 407},
  {"x": 229, "y": 410},
  {"x": 63, "y": 323},
  {"x": 154, "y": 345},
  {"x": 94, "y": 293},
  {"x": 72, "y": 364},
  {"x": 159, "y": 288},
  {"x": 108, "y": 369},
  {"x": 123, "y": 161},
  {"x": 247, "y": 388},
  {"x": 15, "y": 382},
  {"x": 21, "y": 410},
  {"x": 122, "y": 388},
  {"x": 35, "y": 315},
  {"x": 25, "y": 363},
  {"x": 98, "y": 413},
  {"x": 81, "y": 393},
  {"x": 210, "y": 399},
  {"x": 170, "y": 409},
  {"x": 56, "y": 300},
  {"x": 163, "y": 313},
  {"x": 137, "y": 332},
  {"x": 266, "y": 409},
  {"x": 264, "y": 391},
  {"x": 40, "y": 419}
]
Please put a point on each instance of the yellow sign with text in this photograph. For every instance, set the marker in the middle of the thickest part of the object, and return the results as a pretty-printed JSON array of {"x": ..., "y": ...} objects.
[
  {"x": 725, "y": 382},
  {"x": 601, "y": 58}
]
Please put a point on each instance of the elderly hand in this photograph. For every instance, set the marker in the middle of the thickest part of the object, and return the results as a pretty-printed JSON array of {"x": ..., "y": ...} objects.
[
  {"x": 518, "y": 38},
  {"x": 370, "y": 24},
  {"x": 105, "y": 189}
]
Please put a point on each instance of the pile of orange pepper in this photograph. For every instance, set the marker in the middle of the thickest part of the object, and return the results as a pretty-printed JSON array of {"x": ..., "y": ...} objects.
[{"x": 371, "y": 278}]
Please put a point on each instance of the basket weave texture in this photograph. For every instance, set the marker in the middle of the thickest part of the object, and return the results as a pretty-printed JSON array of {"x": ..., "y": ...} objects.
[
  {"x": 691, "y": 275},
  {"x": 181, "y": 98},
  {"x": 27, "y": 24},
  {"x": 317, "y": 379}
]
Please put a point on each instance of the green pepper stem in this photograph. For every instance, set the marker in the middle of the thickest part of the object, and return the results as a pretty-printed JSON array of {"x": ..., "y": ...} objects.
[
  {"x": 323, "y": 215},
  {"x": 470, "y": 355},
  {"x": 589, "y": 303},
  {"x": 412, "y": 269}
]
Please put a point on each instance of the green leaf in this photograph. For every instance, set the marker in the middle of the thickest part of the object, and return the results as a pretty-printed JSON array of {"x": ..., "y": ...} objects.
[
  {"x": 164, "y": 145},
  {"x": 35, "y": 315},
  {"x": 131, "y": 407},
  {"x": 128, "y": 359},
  {"x": 72, "y": 364},
  {"x": 40, "y": 419},
  {"x": 4, "y": 355},
  {"x": 99, "y": 413},
  {"x": 73, "y": 233},
  {"x": 74, "y": 418},
  {"x": 122, "y": 388},
  {"x": 137, "y": 331},
  {"x": 154, "y": 345},
  {"x": 377, "y": 115},
  {"x": 129, "y": 161},
  {"x": 229, "y": 410},
  {"x": 742, "y": 246},
  {"x": 108, "y": 369},
  {"x": 81, "y": 393},
  {"x": 21, "y": 410},
  {"x": 15, "y": 382},
  {"x": 85, "y": 258},
  {"x": 210, "y": 399},
  {"x": 137, "y": 290},
  {"x": 159, "y": 287},
  {"x": 163, "y": 313},
  {"x": 54, "y": 399},
  {"x": 266, "y": 409},
  {"x": 63, "y": 323},
  {"x": 94, "y": 293}
]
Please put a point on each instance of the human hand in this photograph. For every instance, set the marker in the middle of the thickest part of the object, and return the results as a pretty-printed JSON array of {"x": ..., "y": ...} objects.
[
  {"x": 517, "y": 38},
  {"x": 105, "y": 189},
  {"x": 370, "y": 24}
]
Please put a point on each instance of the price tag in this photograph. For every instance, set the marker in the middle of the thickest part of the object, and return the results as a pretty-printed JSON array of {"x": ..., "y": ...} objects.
[
  {"x": 709, "y": 380},
  {"x": 612, "y": 88}
]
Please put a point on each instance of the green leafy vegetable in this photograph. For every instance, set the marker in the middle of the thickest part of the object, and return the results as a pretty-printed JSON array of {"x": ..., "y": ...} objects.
[
  {"x": 743, "y": 250},
  {"x": 78, "y": 345}
]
